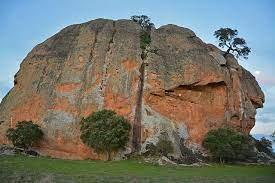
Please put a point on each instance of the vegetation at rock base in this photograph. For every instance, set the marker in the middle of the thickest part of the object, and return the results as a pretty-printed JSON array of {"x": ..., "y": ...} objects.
[
  {"x": 264, "y": 145},
  {"x": 162, "y": 148},
  {"x": 25, "y": 135},
  {"x": 227, "y": 145},
  {"x": 105, "y": 131},
  {"x": 228, "y": 39},
  {"x": 42, "y": 169}
]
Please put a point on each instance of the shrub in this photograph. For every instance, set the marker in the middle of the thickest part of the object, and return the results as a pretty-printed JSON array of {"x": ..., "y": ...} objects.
[
  {"x": 227, "y": 145},
  {"x": 188, "y": 155},
  {"x": 25, "y": 135},
  {"x": 105, "y": 131},
  {"x": 264, "y": 145},
  {"x": 162, "y": 148}
]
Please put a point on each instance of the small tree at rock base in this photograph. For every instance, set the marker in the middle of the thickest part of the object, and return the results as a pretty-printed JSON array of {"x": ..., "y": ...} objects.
[
  {"x": 25, "y": 135},
  {"x": 264, "y": 145},
  {"x": 227, "y": 145},
  {"x": 228, "y": 38},
  {"x": 105, "y": 131}
]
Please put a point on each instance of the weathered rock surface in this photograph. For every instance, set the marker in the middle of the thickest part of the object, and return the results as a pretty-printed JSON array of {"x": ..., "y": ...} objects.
[
  {"x": 7, "y": 150},
  {"x": 185, "y": 88}
]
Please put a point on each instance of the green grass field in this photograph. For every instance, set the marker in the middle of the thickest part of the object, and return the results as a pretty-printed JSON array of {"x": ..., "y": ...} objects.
[{"x": 42, "y": 169}]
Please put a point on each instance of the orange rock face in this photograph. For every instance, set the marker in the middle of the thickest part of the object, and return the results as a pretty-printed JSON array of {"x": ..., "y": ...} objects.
[
  {"x": 191, "y": 105},
  {"x": 183, "y": 89}
]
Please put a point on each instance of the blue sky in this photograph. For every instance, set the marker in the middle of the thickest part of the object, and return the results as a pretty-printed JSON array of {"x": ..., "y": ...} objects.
[{"x": 26, "y": 23}]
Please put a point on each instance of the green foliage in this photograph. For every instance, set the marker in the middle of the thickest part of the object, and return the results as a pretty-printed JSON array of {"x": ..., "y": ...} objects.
[
  {"x": 145, "y": 39},
  {"x": 105, "y": 131},
  {"x": 25, "y": 134},
  {"x": 226, "y": 145},
  {"x": 264, "y": 145},
  {"x": 144, "y": 21},
  {"x": 162, "y": 148},
  {"x": 227, "y": 38}
]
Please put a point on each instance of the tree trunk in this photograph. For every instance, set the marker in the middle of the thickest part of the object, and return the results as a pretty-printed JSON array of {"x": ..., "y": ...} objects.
[
  {"x": 109, "y": 155},
  {"x": 227, "y": 52}
]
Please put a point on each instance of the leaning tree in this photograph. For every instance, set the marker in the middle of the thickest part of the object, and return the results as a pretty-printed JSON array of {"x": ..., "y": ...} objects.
[{"x": 228, "y": 39}]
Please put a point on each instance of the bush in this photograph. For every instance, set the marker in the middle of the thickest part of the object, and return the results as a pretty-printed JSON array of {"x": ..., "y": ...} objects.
[
  {"x": 264, "y": 145},
  {"x": 227, "y": 145},
  {"x": 188, "y": 155},
  {"x": 162, "y": 148},
  {"x": 105, "y": 131},
  {"x": 25, "y": 135}
]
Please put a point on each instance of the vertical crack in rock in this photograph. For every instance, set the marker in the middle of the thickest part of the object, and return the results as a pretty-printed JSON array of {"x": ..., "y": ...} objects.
[
  {"x": 86, "y": 74},
  {"x": 138, "y": 110},
  {"x": 107, "y": 62},
  {"x": 136, "y": 141},
  {"x": 238, "y": 108},
  {"x": 145, "y": 48},
  {"x": 228, "y": 103},
  {"x": 41, "y": 78}
]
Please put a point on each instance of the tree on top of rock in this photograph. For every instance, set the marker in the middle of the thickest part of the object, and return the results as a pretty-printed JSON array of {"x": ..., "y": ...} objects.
[
  {"x": 228, "y": 39},
  {"x": 145, "y": 37},
  {"x": 144, "y": 21}
]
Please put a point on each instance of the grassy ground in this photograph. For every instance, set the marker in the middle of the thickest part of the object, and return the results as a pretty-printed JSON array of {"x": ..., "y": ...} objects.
[{"x": 42, "y": 169}]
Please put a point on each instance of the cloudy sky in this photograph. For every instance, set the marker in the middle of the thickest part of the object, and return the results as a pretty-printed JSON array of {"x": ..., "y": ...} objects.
[{"x": 24, "y": 24}]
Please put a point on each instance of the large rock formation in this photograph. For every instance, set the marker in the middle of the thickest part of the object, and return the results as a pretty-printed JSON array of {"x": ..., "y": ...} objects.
[{"x": 184, "y": 87}]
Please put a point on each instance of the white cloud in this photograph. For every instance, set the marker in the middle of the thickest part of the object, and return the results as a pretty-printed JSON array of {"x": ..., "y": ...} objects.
[
  {"x": 257, "y": 72},
  {"x": 263, "y": 128}
]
